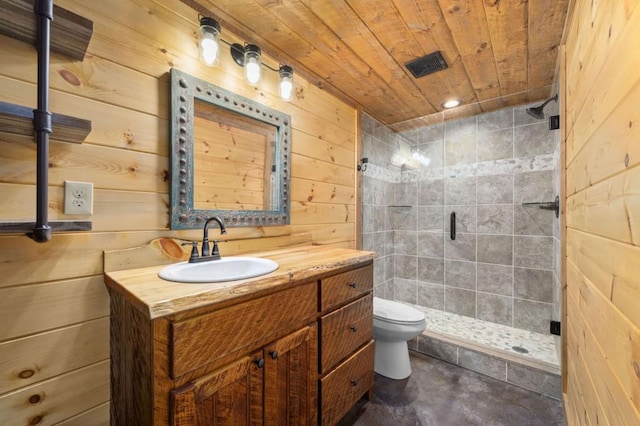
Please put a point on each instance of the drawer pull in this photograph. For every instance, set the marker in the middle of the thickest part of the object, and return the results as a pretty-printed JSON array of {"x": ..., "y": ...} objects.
[
  {"x": 353, "y": 328},
  {"x": 274, "y": 354},
  {"x": 259, "y": 362},
  {"x": 354, "y": 383},
  {"x": 353, "y": 285}
]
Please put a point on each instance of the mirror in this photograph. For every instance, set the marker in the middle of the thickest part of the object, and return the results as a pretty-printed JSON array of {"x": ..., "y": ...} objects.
[{"x": 229, "y": 157}]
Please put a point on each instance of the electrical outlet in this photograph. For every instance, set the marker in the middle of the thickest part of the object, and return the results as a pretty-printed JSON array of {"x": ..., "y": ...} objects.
[{"x": 78, "y": 197}]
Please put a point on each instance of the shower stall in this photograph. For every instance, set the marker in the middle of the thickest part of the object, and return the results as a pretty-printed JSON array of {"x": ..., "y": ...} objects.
[{"x": 444, "y": 206}]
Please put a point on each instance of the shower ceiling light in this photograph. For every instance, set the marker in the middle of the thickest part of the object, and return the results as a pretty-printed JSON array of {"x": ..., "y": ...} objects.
[{"x": 452, "y": 103}]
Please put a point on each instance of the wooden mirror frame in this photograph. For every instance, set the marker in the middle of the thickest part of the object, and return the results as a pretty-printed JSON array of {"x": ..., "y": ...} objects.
[{"x": 185, "y": 90}]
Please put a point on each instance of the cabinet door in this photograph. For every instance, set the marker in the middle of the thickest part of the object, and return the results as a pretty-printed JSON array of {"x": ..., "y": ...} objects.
[
  {"x": 229, "y": 396},
  {"x": 291, "y": 379}
]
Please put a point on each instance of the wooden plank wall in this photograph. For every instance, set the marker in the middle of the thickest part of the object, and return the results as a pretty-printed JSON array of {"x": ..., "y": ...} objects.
[
  {"x": 54, "y": 349},
  {"x": 602, "y": 85}
]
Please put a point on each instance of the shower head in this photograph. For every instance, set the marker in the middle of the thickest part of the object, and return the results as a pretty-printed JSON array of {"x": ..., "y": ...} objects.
[{"x": 536, "y": 112}]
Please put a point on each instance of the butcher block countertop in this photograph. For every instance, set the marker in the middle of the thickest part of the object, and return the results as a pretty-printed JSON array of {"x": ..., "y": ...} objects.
[{"x": 157, "y": 298}]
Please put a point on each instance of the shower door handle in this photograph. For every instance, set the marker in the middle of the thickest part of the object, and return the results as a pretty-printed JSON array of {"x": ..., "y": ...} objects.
[{"x": 452, "y": 227}]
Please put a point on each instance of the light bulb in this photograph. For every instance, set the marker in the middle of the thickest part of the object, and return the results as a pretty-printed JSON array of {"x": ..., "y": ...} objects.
[
  {"x": 252, "y": 64},
  {"x": 209, "y": 42},
  {"x": 252, "y": 71},
  {"x": 209, "y": 52},
  {"x": 286, "y": 82},
  {"x": 286, "y": 88}
]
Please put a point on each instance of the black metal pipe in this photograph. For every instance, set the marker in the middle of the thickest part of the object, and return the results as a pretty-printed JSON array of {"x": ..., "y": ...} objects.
[{"x": 42, "y": 120}]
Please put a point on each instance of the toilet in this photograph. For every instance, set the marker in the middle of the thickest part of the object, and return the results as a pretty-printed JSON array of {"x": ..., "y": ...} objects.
[{"x": 393, "y": 324}]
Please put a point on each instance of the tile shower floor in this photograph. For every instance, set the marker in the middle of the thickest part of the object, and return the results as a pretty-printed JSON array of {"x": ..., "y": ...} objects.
[
  {"x": 441, "y": 394},
  {"x": 535, "y": 347}
]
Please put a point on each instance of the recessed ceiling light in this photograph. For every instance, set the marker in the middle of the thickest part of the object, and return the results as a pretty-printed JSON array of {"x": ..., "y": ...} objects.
[{"x": 451, "y": 103}]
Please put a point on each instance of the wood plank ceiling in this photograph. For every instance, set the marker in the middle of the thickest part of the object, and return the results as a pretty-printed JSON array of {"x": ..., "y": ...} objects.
[{"x": 499, "y": 52}]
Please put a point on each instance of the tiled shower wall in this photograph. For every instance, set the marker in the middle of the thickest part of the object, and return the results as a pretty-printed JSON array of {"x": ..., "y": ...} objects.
[{"x": 500, "y": 267}]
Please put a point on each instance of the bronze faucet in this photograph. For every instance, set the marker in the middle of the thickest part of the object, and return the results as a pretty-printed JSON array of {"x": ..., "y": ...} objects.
[{"x": 205, "y": 256}]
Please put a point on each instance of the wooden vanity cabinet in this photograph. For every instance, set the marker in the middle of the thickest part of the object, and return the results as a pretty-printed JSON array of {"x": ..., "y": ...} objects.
[
  {"x": 254, "y": 362},
  {"x": 302, "y": 355},
  {"x": 346, "y": 342},
  {"x": 274, "y": 386},
  {"x": 235, "y": 391}
]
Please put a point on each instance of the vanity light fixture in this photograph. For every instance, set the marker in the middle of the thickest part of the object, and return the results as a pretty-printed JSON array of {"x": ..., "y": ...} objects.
[
  {"x": 209, "y": 41},
  {"x": 452, "y": 103},
  {"x": 248, "y": 56}
]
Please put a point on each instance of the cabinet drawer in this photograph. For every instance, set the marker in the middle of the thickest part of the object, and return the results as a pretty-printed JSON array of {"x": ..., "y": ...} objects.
[
  {"x": 345, "y": 330},
  {"x": 343, "y": 287},
  {"x": 345, "y": 385},
  {"x": 203, "y": 339}
]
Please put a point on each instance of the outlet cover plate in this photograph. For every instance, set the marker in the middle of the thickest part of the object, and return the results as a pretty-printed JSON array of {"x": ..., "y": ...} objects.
[{"x": 78, "y": 197}]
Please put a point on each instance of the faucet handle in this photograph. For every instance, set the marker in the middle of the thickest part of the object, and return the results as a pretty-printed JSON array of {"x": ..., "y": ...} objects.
[
  {"x": 215, "y": 251},
  {"x": 194, "y": 250}
]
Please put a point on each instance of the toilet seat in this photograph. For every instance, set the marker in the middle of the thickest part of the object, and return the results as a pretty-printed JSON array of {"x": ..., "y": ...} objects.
[{"x": 396, "y": 313}]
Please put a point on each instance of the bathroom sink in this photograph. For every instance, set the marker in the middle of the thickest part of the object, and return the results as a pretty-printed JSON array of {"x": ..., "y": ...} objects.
[{"x": 213, "y": 271}]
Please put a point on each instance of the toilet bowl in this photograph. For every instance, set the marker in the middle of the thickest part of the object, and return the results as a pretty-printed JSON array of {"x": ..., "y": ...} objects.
[{"x": 393, "y": 324}]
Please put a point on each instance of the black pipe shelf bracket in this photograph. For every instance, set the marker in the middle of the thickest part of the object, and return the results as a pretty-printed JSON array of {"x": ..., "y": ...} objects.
[
  {"x": 70, "y": 33},
  {"x": 22, "y": 20},
  {"x": 18, "y": 120}
]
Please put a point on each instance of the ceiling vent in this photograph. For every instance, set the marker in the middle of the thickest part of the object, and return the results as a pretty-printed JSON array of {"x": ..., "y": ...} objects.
[{"x": 427, "y": 65}]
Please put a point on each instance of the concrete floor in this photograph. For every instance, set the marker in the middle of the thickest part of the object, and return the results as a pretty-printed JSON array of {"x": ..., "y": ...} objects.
[{"x": 441, "y": 394}]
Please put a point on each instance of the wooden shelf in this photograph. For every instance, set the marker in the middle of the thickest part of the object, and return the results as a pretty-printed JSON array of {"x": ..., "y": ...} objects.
[
  {"x": 18, "y": 119},
  {"x": 56, "y": 226},
  {"x": 70, "y": 33}
]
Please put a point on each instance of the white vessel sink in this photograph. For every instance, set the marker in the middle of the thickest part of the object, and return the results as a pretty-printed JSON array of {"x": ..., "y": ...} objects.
[{"x": 213, "y": 271}]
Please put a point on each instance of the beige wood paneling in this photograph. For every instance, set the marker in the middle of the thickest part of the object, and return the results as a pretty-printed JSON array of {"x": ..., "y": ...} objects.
[
  {"x": 546, "y": 18},
  {"x": 110, "y": 125},
  {"x": 468, "y": 24},
  {"x": 112, "y": 210},
  {"x": 104, "y": 166},
  {"x": 94, "y": 78},
  {"x": 33, "y": 308},
  {"x": 613, "y": 29},
  {"x": 507, "y": 23},
  {"x": 170, "y": 250},
  {"x": 41, "y": 356},
  {"x": 587, "y": 397},
  {"x": 607, "y": 345},
  {"x": 57, "y": 399},
  {"x": 315, "y": 147},
  {"x": 603, "y": 209},
  {"x": 155, "y": 40},
  {"x": 614, "y": 147},
  {"x": 320, "y": 192},
  {"x": 311, "y": 168},
  {"x": 308, "y": 213},
  {"x": 53, "y": 303}
]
